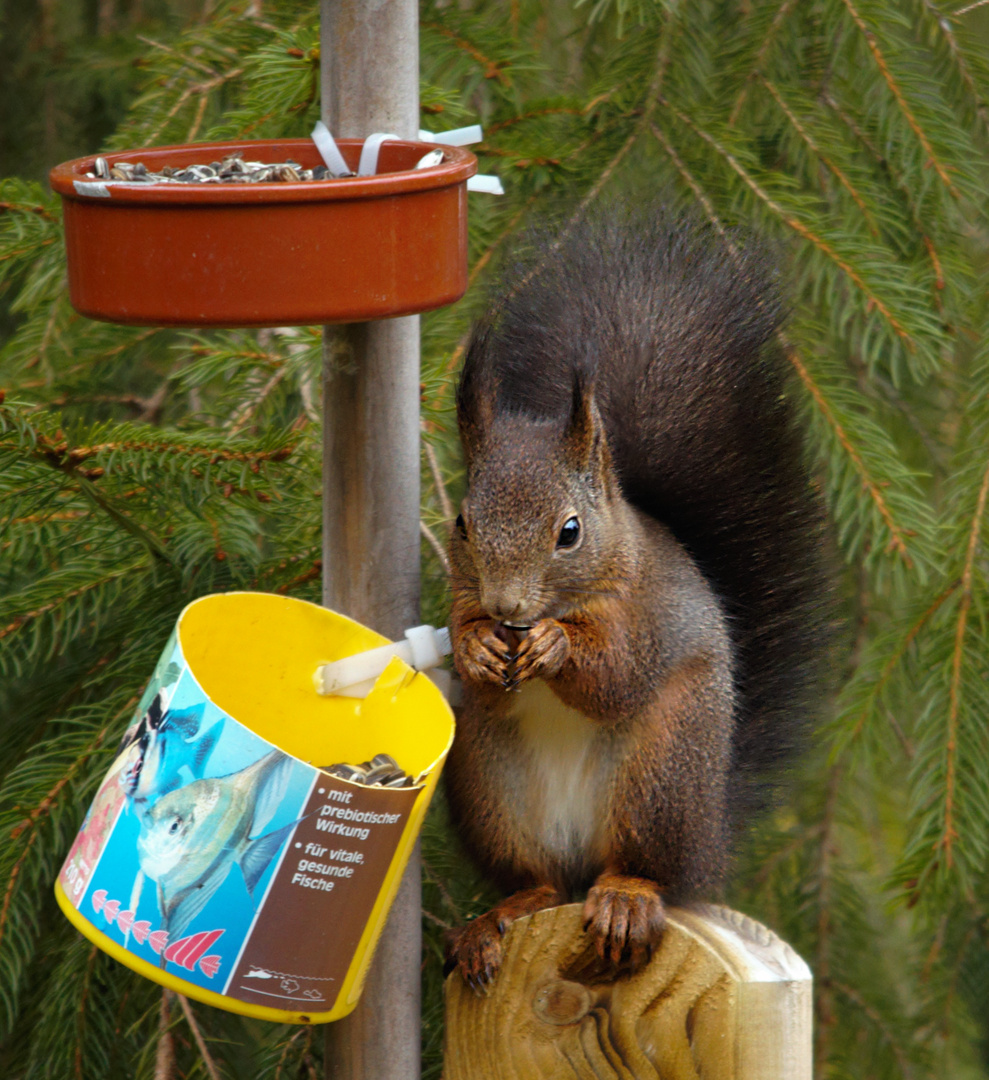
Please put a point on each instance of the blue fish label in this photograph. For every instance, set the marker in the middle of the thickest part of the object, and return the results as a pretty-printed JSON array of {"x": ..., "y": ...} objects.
[{"x": 222, "y": 860}]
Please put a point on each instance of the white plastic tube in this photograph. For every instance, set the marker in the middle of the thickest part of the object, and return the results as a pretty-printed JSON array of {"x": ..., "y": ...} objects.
[{"x": 424, "y": 647}]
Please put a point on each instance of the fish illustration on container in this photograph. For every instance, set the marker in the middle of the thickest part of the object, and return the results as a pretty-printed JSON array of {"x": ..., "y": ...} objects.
[
  {"x": 191, "y": 837},
  {"x": 149, "y": 762},
  {"x": 163, "y": 743}
]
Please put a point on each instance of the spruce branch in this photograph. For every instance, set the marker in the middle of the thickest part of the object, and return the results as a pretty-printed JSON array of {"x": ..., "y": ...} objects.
[
  {"x": 184, "y": 59},
  {"x": 12, "y": 880},
  {"x": 245, "y": 413},
  {"x": 877, "y": 686},
  {"x": 812, "y": 145},
  {"x": 652, "y": 99},
  {"x": 207, "y": 1057},
  {"x": 481, "y": 263},
  {"x": 202, "y": 89},
  {"x": 446, "y": 505},
  {"x": 491, "y": 68},
  {"x": 974, "y": 92},
  {"x": 901, "y": 187},
  {"x": 60, "y": 455},
  {"x": 797, "y": 225},
  {"x": 531, "y": 114},
  {"x": 32, "y": 249},
  {"x": 906, "y": 1068},
  {"x": 81, "y": 1012},
  {"x": 949, "y": 832},
  {"x": 901, "y": 100},
  {"x": 312, "y": 574},
  {"x": 286, "y": 1049},
  {"x": 431, "y": 875},
  {"x": 822, "y": 966},
  {"x": 165, "y": 1063},
  {"x": 25, "y": 208},
  {"x": 897, "y": 541},
  {"x": 436, "y": 920},
  {"x": 197, "y": 120},
  {"x": 767, "y": 43},
  {"x": 691, "y": 182},
  {"x": 51, "y": 796},
  {"x": 60, "y": 601},
  {"x": 434, "y": 543}
]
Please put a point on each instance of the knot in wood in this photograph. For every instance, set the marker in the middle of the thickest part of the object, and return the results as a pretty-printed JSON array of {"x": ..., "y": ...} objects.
[{"x": 561, "y": 1002}]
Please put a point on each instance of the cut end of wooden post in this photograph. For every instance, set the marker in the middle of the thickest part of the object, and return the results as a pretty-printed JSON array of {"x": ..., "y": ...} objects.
[{"x": 722, "y": 999}]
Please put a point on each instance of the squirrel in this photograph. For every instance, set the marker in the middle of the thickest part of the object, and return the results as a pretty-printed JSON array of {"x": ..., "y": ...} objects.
[{"x": 639, "y": 591}]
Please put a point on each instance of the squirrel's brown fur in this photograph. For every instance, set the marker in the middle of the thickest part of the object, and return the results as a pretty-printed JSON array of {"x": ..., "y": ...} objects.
[{"x": 627, "y": 381}]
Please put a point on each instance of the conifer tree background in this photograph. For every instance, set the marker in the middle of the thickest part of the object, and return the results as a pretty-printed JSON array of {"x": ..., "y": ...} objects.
[{"x": 141, "y": 468}]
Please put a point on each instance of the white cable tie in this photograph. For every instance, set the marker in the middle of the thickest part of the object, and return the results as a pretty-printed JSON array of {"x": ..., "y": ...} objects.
[
  {"x": 329, "y": 151},
  {"x": 489, "y": 184},
  {"x": 368, "y": 164},
  {"x": 424, "y": 647},
  {"x": 462, "y": 136}
]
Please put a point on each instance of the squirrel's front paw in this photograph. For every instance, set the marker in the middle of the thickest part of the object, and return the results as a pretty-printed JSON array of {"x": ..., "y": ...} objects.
[
  {"x": 482, "y": 655},
  {"x": 543, "y": 652},
  {"x": 624, "y": 917},
  {"x": 476, "y": 950}
]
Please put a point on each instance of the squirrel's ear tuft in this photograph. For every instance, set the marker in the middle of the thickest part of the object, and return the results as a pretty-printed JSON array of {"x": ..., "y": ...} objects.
[
  {"x": 584, "y": 444},
  {"x": 477, "y": 392}
]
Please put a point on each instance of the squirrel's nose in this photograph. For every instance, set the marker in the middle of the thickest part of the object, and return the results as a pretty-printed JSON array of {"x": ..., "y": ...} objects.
[{"x": 503, "y": 604}]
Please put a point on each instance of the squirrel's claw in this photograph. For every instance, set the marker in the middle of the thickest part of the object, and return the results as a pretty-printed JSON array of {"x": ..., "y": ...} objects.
[
  {"x": 624, "y": 917},
  {"x": 543, "y": 651},
  {"x": 482, "y": 656},
  {"x": 477, "y": 951}
]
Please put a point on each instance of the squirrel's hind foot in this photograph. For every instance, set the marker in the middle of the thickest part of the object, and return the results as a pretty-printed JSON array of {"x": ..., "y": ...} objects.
[{"x": 624, "y": 917}]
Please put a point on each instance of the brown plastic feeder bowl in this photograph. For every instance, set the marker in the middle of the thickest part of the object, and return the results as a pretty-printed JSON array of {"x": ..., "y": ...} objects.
[{"x": 268, "y": 254}]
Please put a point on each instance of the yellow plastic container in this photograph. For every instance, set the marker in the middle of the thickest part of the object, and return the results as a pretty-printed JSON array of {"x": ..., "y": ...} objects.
[{"x": 219, "y": 858}]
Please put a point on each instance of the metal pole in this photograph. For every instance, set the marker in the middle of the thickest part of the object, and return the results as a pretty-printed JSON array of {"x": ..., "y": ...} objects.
[{"x": 370, "y": 82}]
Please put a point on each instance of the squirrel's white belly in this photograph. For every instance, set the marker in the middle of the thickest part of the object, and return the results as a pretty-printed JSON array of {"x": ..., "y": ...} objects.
[{"x": 569, "y": 759}]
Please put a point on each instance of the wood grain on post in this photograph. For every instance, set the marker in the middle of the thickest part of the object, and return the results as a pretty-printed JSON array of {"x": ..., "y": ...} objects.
[
  {"x": 722, "y": 999},
  {"x": 370, "y": 82}
]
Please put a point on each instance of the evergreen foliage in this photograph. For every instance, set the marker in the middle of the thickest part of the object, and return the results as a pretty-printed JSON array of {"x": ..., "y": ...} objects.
[{"x": 141, "y": 468}]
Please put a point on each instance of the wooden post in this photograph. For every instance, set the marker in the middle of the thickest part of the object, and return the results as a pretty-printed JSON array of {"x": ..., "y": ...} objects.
[
  {"x": 722, "y": 999},
  {"x": 370, "y": 82}
]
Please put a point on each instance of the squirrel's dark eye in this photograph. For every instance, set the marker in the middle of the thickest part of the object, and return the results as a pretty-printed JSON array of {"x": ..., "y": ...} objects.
[
  {"x": 569, "y": 533},
  {"x": 461, "y": 527}
]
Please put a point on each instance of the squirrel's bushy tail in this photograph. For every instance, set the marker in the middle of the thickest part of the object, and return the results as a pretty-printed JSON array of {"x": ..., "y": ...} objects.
[{"x": 676, "y": 327}]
